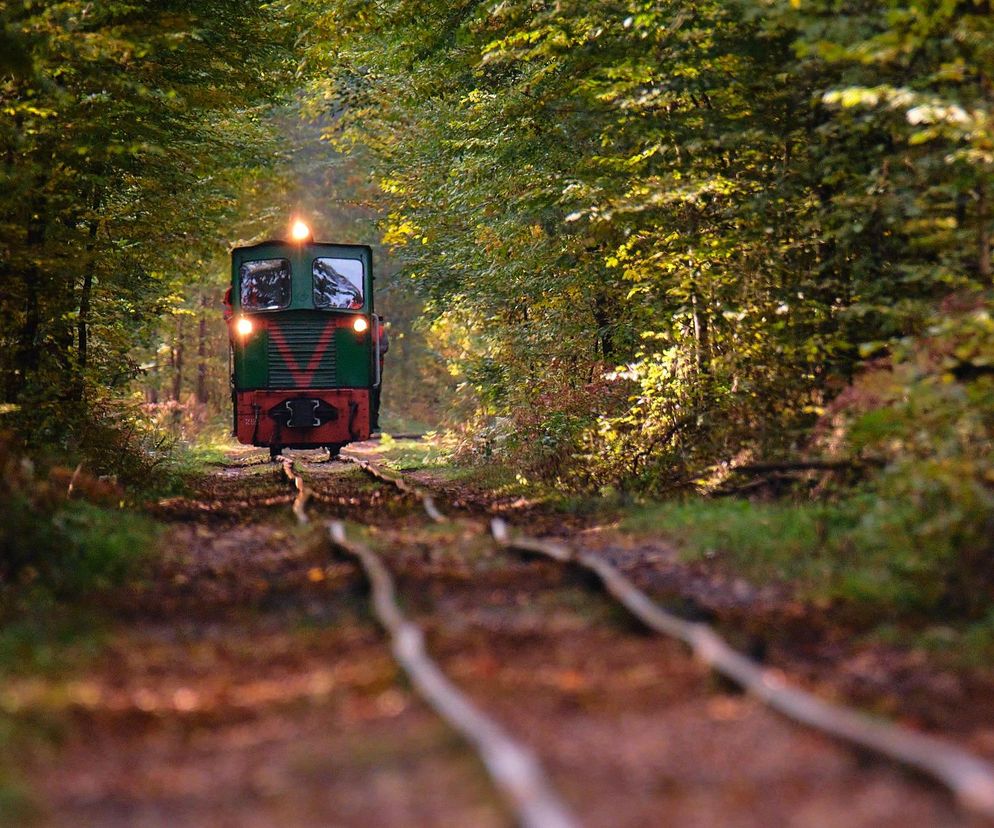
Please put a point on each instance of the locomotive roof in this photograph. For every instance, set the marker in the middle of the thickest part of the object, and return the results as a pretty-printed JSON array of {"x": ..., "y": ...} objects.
[{"x": 291, "y": 243}]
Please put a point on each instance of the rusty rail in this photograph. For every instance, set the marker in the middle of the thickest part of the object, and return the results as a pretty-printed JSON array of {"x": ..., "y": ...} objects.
[
  {"x": 970, "y": 778},
  {"x": 515, "y": 771},
  {"x": 427, "y": 501}
]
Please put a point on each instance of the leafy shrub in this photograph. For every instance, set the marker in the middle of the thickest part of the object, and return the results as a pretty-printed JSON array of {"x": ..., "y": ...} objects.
[
  {"x": 543, "y": 438},
  {"x": 51, "y": 537},
  {"x": 916, "y": 539},
  {"x": 926, "y": 414},
  {"x": 111, "y": 437}
]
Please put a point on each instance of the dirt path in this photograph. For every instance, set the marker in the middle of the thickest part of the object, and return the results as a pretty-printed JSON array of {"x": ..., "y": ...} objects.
[{"x": 247, "y": 685}]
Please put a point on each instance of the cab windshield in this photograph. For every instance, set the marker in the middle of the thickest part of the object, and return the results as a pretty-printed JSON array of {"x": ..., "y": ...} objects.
[
  {"x": 265, "y": 284},
  {"x": 337, "y": 283}
]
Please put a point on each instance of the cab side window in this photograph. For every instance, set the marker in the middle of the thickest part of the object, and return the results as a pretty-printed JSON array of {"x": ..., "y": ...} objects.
[
  {"x": 337, "y": 283},
  {"x": 265, "y": 284}
]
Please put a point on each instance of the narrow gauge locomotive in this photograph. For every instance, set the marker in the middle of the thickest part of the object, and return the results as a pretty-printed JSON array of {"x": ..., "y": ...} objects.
[{"x": 305, "y": 343}]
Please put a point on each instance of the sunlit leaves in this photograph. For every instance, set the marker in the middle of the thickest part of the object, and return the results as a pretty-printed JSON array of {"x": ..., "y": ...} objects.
[
  {"x": 126, "y": 143},
  {"x": 725, "y": 198}
]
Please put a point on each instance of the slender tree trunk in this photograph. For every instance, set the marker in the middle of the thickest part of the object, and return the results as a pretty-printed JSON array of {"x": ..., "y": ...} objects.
[
  {"x": 152, "y": 385},
  {"x": 27, "y": 359},
  {"x": 177, "y": 361},
  {"x": 702, "y": 332},
  {"x": 983, "y": 235},
  {"x": 83, "y": 320},
  {"x": 202, "y": 354},
  {"x": 602, "y": 317},
  {"x": 82, "y": 325}
]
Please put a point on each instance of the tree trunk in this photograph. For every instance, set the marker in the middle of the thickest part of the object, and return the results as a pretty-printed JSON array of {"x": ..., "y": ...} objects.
[
  {"x": 152, "y": 386},
  {"x": 177, "y": 361},
  {"x": 202, "y": 354},
  {"x": 83, "y": 321},
  {"x": 27, "y": 355},
  {"x": 702, "y": 332},
  {"x": 983, "y": 235},
  {"x": 602, "y": 317}
]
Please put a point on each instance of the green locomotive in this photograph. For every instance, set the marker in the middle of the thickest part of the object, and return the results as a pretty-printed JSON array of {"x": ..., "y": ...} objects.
[{"x": 306, "y": 344}]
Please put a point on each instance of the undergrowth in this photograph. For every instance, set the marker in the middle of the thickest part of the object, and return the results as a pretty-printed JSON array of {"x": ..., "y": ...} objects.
[
  {"x": 862, "y": 559},
  {"x": 66, "y": 541}
]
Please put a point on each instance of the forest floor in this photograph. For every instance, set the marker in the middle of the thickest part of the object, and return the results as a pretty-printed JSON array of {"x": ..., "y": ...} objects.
[{"x": 243, "y": 682}]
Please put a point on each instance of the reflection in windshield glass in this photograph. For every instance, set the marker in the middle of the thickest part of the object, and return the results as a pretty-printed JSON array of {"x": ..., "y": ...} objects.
[
  {"x": 338, "y": 283},
  {"x": 265, "y": 284}
]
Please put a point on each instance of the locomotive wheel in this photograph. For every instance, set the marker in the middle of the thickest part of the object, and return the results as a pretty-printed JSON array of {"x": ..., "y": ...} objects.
[
  {"x": 275, "y": 451},
  {"x": 333, "y": 450}
]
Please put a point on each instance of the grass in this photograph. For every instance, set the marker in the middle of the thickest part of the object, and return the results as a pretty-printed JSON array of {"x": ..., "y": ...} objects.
[
  {"x": 877, "y": 560},
  {"x": 493, "y": 478},
  {"x": 413, "y": 455},
  {"x": 758, "y": 540},
  {"x": 859, "y": 555},
  {"x": 187, "y": 461},
  {"x": 70, "y": 555},
  {"x": 60, "y": 560}
]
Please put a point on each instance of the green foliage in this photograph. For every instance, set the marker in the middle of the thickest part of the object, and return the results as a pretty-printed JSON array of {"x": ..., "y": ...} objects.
[
  {"x": 65, "y": 542},
  {"x": 127, "y": 131},
  {"x": 713, "y": 205},
  {"x": 864, "y": 554},
  {"x": 928, "y": 415},
  {"x": 53, "y": 542}
]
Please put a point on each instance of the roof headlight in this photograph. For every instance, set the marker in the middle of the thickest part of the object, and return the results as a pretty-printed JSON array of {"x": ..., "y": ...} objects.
[{"x": 300, "y": 231}]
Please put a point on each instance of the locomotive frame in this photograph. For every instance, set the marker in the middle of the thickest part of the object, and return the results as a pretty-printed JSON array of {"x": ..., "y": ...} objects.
[{"x": 305, "y": 344}]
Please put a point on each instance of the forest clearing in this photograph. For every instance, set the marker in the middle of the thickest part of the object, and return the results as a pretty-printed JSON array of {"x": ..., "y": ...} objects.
[{"x": 678, "y": 507}]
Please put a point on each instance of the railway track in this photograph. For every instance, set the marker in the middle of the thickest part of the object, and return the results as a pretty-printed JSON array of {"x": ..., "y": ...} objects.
[{"x": 514, "y": 769}]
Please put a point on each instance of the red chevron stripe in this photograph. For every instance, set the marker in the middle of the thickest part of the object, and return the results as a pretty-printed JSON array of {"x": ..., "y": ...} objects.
[{"x": 303, "y": 376}]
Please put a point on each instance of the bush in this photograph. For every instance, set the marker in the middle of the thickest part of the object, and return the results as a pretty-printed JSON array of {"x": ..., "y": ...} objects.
[
  {"x": 112, "y": 437},
  {"x": 916, "y": 538},
  {"x": 544, "y": 437},
  {"x": 926, "y": 413},
  {"x": 51, "y": 537}
]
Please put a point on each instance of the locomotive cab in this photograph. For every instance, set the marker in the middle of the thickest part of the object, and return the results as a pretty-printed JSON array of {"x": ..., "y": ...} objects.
[{"x": 305, "y": 344}]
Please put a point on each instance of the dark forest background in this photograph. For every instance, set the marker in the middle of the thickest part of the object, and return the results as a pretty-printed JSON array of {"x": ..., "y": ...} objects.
[{"x": 628, "y": 247}]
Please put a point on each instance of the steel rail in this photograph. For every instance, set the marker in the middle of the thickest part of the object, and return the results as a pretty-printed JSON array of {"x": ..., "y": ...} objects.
[
  {"x": 427, "y": 501},
  {"x": 514, "y": 770},
  {"x": 970, "y": 778}
]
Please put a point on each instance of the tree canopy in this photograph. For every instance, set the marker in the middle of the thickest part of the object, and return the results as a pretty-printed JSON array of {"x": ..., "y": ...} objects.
[
  {"x": 650, "y": 237},
  {"x": 127, "y": 133},
  {"x": 654, "y": 235}
]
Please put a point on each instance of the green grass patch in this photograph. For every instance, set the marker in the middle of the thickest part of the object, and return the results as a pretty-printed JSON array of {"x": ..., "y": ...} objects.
[
  {"x": 184, "y": 464},
  {"x": 412, "y": 455},
  {"x": 69, "y": 555},
  {"x": 73, "y": 550},
  {"x": 759, "y": 540},
  {"x": 51, "y": 615},
  {"x": 867, "y": 556}
]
